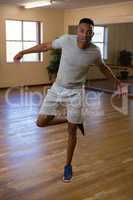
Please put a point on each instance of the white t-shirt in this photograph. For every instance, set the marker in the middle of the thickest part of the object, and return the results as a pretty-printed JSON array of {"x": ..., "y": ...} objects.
[{"x": 74, "y": 63}]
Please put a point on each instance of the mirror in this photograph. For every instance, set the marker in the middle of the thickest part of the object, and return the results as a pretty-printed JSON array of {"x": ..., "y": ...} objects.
[{"x": 118, "y": 47}]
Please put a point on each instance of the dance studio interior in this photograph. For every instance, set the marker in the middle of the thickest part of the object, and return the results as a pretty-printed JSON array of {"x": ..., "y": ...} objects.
[{"x": 32, "y": 158}]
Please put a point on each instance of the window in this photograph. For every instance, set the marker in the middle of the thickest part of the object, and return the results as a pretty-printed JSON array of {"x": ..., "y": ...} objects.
[
  {"x": 21, "y": 35},
  {"x": 100, "y": 39}
]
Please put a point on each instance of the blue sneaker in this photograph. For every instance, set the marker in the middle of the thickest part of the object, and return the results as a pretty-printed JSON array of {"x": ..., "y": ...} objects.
[{"x": 68, "y": 174}]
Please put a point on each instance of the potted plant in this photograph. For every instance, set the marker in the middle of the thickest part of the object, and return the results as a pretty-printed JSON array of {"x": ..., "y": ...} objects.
[
  {"x": 125, "y": 59},
  {"x": 54, "y": 64}
]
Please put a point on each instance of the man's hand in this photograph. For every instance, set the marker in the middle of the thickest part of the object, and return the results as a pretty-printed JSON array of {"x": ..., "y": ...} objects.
[
  {"x": 18, "y": 57},
  {"x": 122, "y": 88}
]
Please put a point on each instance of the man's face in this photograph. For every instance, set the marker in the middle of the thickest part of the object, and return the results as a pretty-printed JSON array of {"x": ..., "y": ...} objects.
[{"x": 85, "y": 32}]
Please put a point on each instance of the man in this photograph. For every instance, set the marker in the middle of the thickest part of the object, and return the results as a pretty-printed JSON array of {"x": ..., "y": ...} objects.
[{"x": 78, "y": 52}]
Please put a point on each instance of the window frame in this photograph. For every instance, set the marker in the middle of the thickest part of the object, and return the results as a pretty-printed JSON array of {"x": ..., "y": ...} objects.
[
  {"x": 105, "y": 41},
  {"x": 39, "y": 38}
]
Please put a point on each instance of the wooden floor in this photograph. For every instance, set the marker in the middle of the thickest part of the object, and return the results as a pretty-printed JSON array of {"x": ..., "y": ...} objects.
[{"x": 32, "y": 158}]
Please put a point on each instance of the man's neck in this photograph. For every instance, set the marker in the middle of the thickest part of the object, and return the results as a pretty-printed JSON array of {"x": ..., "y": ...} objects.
[{"x": 83, "y": 45}]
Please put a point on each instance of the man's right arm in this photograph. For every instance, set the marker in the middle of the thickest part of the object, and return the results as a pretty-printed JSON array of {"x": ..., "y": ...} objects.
[{"x": 35, "y": 49}]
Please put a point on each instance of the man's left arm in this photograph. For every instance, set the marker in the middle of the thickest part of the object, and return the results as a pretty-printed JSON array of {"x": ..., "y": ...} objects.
[{"x": 106, "y": 70}]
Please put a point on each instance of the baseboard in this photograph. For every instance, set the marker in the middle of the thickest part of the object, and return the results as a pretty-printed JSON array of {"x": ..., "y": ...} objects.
[
  {"x": 98, "y": 79},
  {"x": 36, "y": 85},
  {"x": 87, "y": 87}
]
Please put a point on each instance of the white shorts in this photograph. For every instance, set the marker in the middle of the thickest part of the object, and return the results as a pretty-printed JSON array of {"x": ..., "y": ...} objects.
[{"x": 61, "y": 101}]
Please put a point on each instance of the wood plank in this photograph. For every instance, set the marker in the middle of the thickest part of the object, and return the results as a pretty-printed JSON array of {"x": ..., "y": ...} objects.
[{"x": 32, "y": 158}]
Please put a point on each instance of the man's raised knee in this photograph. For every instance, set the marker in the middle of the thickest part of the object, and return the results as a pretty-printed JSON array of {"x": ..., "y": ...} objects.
[
  {"x": 40, "y": 123},
  {"x": 43, "y": 120}
]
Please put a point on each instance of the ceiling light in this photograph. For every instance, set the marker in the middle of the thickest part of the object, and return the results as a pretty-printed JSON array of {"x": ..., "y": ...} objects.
[{"x": 36, "y": 4}]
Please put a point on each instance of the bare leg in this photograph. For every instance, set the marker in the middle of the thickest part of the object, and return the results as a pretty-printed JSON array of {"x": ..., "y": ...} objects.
[
  {"x": 46, "y": 120},
  {"x": 81, "y": 127},
  {"x": 72, "y": 140}
]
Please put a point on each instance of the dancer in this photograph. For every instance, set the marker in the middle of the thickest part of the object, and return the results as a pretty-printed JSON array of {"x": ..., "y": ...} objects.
[{"x": 78, "y": 52}]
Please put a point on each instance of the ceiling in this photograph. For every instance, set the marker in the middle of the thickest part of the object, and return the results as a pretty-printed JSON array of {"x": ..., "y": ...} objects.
[{"x": 68, "y": 4}]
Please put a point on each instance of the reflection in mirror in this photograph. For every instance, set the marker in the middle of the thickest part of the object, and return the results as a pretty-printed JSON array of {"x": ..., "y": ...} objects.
[{"x": 116, "y": 45}]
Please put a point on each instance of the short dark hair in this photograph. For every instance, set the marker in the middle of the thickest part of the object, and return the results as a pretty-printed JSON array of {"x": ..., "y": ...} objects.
[{"x": 87, "y": 21}]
